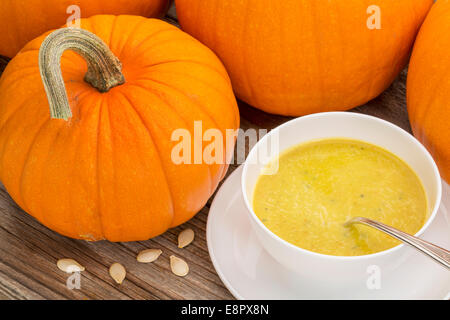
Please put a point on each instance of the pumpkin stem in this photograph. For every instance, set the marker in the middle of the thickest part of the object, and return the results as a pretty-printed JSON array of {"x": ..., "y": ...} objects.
[{"x": 104, "y": 68}]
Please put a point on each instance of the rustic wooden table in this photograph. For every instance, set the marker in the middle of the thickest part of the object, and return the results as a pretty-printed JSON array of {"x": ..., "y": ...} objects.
[{"x": 29, "y": 251}]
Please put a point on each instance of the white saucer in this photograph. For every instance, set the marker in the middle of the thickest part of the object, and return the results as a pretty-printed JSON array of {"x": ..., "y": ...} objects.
[{"x": 249, "y": 272}]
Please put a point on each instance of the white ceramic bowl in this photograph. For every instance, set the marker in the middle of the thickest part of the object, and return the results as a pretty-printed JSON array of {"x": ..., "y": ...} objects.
[{"x": 338, "y": 270}]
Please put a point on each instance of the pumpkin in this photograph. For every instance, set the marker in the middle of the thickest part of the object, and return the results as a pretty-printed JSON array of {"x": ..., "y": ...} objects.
[
  {"x": 24, "y": 20},
  {"x": 102, "y": 166},
  {"x": 428, "y": 86},
  {"x": 296, "y": 57}
]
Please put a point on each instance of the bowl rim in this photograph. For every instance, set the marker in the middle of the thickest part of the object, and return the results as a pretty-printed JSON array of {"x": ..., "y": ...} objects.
[{"x": 398, "y": 130}]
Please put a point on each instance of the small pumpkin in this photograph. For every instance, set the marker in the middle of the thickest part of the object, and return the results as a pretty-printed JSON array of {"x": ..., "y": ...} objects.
[
  {"x": 23, "y": 20},
  {"x": 295, "y": 57},
  {"x": 107, "y": 171},
  {"x": 428, "y": 87}
]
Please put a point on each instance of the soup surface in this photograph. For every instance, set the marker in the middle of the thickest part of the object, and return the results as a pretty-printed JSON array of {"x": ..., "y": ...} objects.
[{"x": 322, "y": 184}]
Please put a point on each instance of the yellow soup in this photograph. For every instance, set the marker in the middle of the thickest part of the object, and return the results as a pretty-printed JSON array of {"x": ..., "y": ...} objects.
[{"x": 322, "y": 184}]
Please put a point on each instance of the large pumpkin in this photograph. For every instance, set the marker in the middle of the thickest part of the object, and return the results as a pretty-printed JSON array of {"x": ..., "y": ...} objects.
[
  {"x": 108, "y": 171},
  {"x": 24, "y": 20},
  {"x": 295, "y": 57},
  {"x": 428, "y": 87}
]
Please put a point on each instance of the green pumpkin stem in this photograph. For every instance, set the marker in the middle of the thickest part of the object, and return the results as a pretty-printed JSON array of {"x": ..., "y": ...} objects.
[{"x": 104, "y": 68}]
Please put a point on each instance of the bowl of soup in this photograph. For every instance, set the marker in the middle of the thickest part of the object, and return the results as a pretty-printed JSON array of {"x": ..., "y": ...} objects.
[{"x": 306, "y": 178}]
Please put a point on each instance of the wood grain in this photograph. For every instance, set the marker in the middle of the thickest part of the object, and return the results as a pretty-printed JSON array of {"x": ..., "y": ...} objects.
[{"x": 29, "y": 251}]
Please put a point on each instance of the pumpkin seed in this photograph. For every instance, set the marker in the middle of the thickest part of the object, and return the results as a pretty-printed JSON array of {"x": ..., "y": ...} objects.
[
  {"x": 185, "y": 238},
  {"x": 179, "y": 266},
  {"x": 69, "y": 265},
  {"x": 117, "y": 272},
  {"x": 149, "y": 255}
]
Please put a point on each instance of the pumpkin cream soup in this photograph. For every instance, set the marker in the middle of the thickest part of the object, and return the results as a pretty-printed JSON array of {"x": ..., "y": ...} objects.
[{"x": 322, "y": 184}]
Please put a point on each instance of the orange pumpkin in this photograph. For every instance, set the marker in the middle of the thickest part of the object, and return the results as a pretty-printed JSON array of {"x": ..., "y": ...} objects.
[
  {"x": 108, "y": 172},
  {"x": 24, "y": 20},
  {"x": 428, "y": 88},
  {"x": 295, "y": 57}
]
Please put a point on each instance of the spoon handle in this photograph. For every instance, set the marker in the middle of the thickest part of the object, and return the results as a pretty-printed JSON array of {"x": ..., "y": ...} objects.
[{"x": 437, "y": 253}]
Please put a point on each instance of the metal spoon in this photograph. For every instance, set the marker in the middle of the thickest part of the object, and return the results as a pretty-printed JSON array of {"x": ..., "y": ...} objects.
[{"x": 437, "y": 253}]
